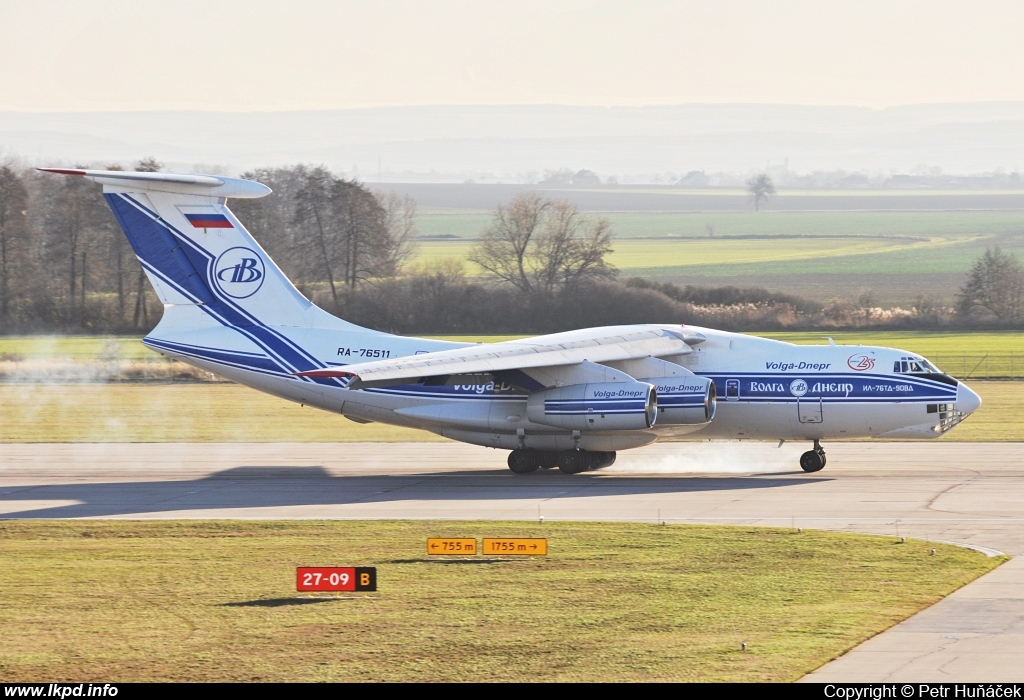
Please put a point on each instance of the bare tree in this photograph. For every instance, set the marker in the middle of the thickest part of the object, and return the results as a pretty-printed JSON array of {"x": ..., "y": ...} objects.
[
  {"x": 364, "y": 235},
  {"x": 400, "y": 225},
  {"x": 760, "y": 188},
  {"x": 149, "y": 164},
  {"x": 345, "y": 228},
  {"x": 995, "y": 284},
  {"x": 571, "y": 248},
  {"x": 313, "y": 213},
  {"x": 74, "y": 217},
  {"x": 13, "y": 234},
  {"x": 539, "y": 245},
  {"x": 507, "y": 241}
]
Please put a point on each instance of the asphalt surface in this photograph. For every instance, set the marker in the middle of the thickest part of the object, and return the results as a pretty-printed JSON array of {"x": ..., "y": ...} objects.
[{"x": 968, "y": 493}]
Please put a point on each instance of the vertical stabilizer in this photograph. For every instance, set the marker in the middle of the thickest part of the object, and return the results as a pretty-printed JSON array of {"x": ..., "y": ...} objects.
[
  {"x": 226, "y": 303},
  {"x": 196, "y": 252}
]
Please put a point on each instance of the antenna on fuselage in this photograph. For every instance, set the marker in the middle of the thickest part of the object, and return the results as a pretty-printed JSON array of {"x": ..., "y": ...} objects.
[{"x": 830, "y": 341}]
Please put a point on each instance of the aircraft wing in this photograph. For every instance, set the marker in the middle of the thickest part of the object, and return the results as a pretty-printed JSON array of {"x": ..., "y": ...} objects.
[{"x": 593, "y": 345}]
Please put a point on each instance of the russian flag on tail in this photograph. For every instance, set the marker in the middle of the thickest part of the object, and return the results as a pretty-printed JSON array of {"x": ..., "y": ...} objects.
[{"x": 208, "y": 220}]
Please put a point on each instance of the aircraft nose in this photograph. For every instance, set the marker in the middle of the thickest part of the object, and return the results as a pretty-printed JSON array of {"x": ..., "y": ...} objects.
[{"x": 966, "y": 400}]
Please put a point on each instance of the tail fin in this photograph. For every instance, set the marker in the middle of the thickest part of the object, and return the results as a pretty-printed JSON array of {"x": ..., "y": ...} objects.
[{"x": 194, "y": 250}]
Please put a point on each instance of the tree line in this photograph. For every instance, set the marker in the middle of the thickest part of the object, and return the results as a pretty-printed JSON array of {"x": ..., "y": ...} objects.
[{"x": 65, "y": 266}]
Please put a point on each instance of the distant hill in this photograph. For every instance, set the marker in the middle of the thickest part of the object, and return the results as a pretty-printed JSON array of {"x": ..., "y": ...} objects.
[{"x": 514, "y": 143}]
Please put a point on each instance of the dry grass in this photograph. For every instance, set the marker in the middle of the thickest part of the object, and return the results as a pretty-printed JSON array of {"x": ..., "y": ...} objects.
[
  {"x": 215, "y": 601},
  {"x": 174, "y": 412}
]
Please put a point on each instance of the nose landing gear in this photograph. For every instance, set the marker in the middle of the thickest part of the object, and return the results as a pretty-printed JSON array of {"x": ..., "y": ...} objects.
[{"x": 813, "y": 460}]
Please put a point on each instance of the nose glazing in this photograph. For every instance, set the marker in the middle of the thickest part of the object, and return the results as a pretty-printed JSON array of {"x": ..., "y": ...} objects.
[{"x": 966, "y": 400}]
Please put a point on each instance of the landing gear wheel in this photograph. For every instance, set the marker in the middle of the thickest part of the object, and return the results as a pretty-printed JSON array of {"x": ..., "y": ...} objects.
[
  {"x": 812, "y": 461},
  {"x": 574, "y": 461},
  {"x": 600, "y": 460},
  {"x": 546, "y": 459},
  {"x": 522, "y": 461}
]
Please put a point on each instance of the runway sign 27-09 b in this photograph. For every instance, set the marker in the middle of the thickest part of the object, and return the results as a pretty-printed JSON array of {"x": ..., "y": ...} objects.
[{"x": 336, "y": 578}]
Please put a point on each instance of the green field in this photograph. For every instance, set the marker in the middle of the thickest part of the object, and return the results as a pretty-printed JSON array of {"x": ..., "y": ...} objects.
[
  {"x": 639, "y": 257},
  {"x": 223, "y": 412},
  {"x": 72, "y": 347},
  {"x": 927, "y": 224},
  {"x": 110, "y": 601},
  {"x": 899, "y": 255},
  {"x": 700, "y": 261}
]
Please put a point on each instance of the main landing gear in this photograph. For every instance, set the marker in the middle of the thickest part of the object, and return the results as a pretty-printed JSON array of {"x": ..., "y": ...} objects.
[
  {"x": 524, "y": 461},
  {"x": 813, "y": 460}
]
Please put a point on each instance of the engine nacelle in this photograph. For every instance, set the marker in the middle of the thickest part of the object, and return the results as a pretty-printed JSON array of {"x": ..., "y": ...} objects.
[
  {"x": 688, "y": 400},
  {"x": 607, "y": 406}
]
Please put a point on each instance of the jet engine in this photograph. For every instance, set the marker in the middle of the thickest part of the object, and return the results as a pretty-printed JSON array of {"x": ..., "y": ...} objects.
[
  {"x": 687, "y": 400},
  {"x": 605, "y": 406}
]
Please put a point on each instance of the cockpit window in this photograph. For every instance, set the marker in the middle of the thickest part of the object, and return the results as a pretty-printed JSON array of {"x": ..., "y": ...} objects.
[{"x": 914, "y": 365}]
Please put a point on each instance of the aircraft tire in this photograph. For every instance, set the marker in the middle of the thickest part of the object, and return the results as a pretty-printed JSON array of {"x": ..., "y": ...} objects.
[
  {"x": 600, "y": 460},
  {"x": 573, "y": 461},
  {"x": 522, "y": 461},
  {"x": 812, "y": 461},
  {"x": 547, "y": 459}
]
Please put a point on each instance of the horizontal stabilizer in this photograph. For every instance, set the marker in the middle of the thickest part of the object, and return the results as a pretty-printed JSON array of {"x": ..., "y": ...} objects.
[{"x": 205, "y": 185}]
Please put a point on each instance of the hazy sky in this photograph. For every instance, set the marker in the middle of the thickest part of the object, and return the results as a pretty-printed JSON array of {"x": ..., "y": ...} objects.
[{"x": 311, "y": 54}]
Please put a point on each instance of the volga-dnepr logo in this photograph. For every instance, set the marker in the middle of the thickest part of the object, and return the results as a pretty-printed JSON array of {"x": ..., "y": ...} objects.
[
  {"x": 860, "y": 362},
  {"x": 239, "y": 272}
]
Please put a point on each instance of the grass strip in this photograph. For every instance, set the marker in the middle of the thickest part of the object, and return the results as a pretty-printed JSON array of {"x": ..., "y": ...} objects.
[{"x": 215, "y": 601}]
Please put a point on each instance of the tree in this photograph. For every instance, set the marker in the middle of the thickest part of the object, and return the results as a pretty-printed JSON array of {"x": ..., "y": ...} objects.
[
  {"x": 400, "y": 224},
  {"x": 74, "y": 220},
  {"x": 539, "y": 245},
  {"x": 995, "y": 284},
  {"x": 760, "y": 188},
  {"x": 149, "y": 164},
  {"x": 349, "y": 234},
  {"x": 13, "y": 235},
  {"x": 313, "y": 213}
]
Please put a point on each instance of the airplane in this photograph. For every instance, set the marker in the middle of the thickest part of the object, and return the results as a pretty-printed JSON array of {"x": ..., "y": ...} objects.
[{"x": 570, "y": 400}]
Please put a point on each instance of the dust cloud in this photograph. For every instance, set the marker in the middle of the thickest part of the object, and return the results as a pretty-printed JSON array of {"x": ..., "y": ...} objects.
[{"x": 710, "y": 457}]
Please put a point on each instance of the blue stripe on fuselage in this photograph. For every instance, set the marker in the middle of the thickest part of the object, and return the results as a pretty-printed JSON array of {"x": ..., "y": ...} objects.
[{"x": 832, "y": 387}]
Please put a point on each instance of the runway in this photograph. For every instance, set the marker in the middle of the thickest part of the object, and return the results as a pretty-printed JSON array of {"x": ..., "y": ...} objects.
[{"x": 968, "y": 493}]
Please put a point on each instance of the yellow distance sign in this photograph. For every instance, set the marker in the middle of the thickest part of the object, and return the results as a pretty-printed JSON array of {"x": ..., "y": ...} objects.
[
  {"x": 451, "y": 545},
  {"x": 527, "y": 546}
]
